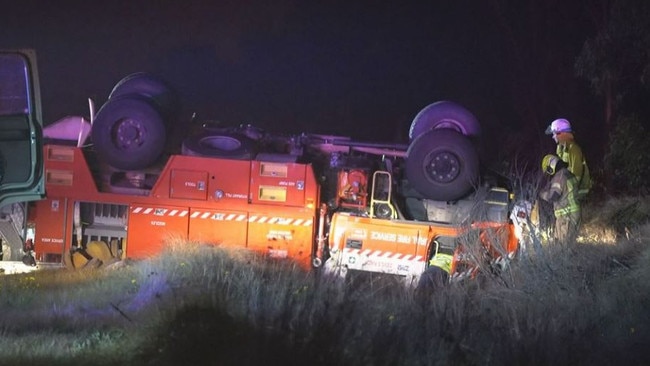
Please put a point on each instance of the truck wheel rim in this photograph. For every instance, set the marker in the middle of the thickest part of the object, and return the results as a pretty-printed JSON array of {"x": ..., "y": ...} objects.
[
  {"x": 443, "y": 167},
  {"x": 128, "y": 134}
]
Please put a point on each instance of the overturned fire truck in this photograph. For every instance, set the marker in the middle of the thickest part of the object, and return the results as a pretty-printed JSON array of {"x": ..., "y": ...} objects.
[{"x": 116, "y": 188}]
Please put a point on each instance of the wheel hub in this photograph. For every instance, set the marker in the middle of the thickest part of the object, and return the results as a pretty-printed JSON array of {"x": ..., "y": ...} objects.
[
  {"x": 443, "y": 167},
  {"x": 129, "y": 134}
]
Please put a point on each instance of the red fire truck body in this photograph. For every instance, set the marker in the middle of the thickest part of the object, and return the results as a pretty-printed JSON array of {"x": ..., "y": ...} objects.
[{"x": 265, "y": 206}]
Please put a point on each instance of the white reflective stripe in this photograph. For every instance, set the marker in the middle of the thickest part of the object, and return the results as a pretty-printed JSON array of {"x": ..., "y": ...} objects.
[
  {"x": 384, "y": 255},
  {"x": 160, "y": 211},
  {"x": 222, "y": 216},
  {"x": 225, "y": 217}
]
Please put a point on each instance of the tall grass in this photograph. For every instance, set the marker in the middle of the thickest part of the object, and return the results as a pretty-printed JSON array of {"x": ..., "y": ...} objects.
[{"x": 199, "y": 305}]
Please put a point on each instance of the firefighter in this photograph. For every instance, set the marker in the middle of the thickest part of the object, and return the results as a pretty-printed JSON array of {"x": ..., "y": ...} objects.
[
  {"x": 562, "y": 191},
  {"x": 570, "y": 152},
  {"x": 436, "y": 276},
  {"x": 442, "y": 261}
]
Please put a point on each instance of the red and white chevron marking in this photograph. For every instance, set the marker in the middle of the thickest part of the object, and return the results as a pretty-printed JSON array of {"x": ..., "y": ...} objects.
[
  {"x": 383, "y": 255},
  {"x": 218, "y": 216},
  {"x": 159, "y": 211},
  {"x": 280, "y": 220},
  {"x": 224, "y": 216},
  {"x": 259, "y": 219}
]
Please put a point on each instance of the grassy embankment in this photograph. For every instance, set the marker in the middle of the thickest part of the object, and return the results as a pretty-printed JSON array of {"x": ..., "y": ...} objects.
[{"x": 201, "y": 306}]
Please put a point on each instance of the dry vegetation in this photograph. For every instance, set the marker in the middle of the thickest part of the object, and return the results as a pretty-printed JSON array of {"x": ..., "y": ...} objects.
[{"x": 203, "y": 306}]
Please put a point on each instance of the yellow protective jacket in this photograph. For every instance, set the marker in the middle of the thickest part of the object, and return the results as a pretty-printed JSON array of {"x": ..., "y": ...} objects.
[
  {"x": 442, "y": 261},
  {"x": 571, "y": 153},
  {"x": 562, "y": 191}
]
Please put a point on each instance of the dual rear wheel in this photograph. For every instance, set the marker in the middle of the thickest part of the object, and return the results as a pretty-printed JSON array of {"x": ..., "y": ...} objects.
[
  {"x": 442, "y": 162},
  {"x": 130, "y": 130}
]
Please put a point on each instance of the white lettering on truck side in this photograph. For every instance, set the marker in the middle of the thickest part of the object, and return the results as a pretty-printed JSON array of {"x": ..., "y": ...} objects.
[
  {"x": 236, "y": 195},
  {"x": 397, "y": 238},
  {"x": 376, "y": 235},
  {"x": 158, "y": 223},
  {"x": 52, "y": 240},
  {"x": 404, "y": 239}
]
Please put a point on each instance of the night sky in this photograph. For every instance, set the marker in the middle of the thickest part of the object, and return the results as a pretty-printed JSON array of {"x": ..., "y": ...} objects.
[{"x": 353, "y": 68}]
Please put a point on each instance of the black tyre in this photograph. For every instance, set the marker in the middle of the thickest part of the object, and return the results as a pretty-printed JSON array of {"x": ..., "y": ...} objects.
[
  {"x": 432, "y": 279},
  {"x": 221, "y": 145},
  {"x": 149, "y": 86},
  {"x": 442, "y": 165},
  {"x": 444, "y": 114},
  {"x": 129, "y": 133}
]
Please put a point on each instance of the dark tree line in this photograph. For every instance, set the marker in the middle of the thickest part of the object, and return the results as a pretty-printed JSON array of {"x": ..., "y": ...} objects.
[
  {"x": 616, "y": 63},
  {"x": 588, "y": 61}
]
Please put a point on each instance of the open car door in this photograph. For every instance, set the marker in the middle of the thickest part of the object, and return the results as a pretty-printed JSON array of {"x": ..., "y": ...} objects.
[{"x": 21, "y": 135}]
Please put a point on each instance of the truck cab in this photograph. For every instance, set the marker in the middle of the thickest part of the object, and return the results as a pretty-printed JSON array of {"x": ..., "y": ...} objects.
[
  {"x": 396, "y": 237},
  {"x": 21, "y": 151}
]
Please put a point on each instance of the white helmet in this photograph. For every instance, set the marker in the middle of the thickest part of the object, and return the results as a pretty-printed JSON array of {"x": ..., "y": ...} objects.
[{"x": 559, "y": 125}]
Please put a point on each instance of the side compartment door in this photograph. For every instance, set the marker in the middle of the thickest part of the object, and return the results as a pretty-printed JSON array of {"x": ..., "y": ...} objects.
[
  {"x": 378, "y": 245},
  {"x": 151, "y": 227},
  {"x": 49, "y": 240},
  {"x": 21, "y": 142},
  {"x": 218, "y": 227}
]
